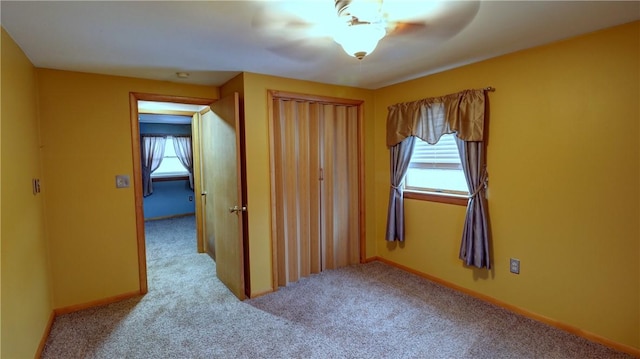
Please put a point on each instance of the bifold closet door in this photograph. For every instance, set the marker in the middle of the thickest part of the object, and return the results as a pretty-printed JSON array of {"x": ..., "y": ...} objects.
[
  {"x": 315, "y": 189},
  {"x": 339, "y": 189},
  {"x": 297, "y": 189}
]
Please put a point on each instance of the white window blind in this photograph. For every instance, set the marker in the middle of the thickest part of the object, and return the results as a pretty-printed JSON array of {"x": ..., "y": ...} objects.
[
  {"x": 443, "y": 154},
  {"x": 436, "y": 168}
]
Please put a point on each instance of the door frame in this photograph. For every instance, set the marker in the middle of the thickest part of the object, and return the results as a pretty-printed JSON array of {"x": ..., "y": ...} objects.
[
  {"x": 134, "y": 97},
  {"x": 276, "y": 94}
]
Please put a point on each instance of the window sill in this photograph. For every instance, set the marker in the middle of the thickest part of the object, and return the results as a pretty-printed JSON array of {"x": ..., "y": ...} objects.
[
  {"x": 169, "y": 178},
  {"x": 457, "y": 200}
]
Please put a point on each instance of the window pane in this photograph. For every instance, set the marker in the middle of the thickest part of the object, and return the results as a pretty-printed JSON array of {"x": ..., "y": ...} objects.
[
  {"x": 436, "y": 180},
  {"x": 436, "y": 168},
  {"x": 169, "y": 149},
  {"x": 170, "y": 165}
]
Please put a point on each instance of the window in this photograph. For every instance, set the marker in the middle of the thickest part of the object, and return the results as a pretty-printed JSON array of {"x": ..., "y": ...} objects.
[
  {"x": 170, "y": 165},
  {"x": 436, "y": 168}
]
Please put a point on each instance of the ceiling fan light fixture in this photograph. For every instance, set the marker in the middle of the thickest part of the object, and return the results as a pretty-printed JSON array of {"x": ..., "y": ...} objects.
[{"x": 360, "y": 39}]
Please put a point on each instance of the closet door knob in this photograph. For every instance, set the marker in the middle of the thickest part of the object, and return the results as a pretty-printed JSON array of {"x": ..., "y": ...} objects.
[{"x": 237, "y": 209}]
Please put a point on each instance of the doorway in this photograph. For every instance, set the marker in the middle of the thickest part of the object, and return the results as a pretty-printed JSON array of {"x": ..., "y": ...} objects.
[
  {"x": 229, "y": 269},
  {"x": 165, "y": 131}
]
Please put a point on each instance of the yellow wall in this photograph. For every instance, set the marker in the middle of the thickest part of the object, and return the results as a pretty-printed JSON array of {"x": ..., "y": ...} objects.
[
  {"x": 236, "y": 84},
  {"x": 26, "y": 285},
  {"x": 86, "y": 139},
  {"x": 257, "y": 154},
  {"x": 564, "y": 192},
  {"x": 563, "y": 161}
]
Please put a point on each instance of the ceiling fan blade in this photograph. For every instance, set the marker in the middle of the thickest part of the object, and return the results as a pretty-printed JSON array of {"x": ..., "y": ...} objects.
[
  {"x": 405, "y": 28},
  {"x": 278, "y": 24},
  {"x": 294, "y": 19},
  {"x": 295, "y": 30},
  {"x": 304, "y": 50},
  {"x": 432, "y": 19}
]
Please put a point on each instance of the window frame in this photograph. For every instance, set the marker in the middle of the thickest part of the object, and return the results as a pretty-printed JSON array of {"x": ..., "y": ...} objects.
[{"x": 439, "y": 197}]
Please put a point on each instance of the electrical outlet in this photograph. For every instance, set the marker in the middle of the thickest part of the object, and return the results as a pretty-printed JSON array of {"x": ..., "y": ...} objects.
[
  {"x": 190, "y": 198},
  {"x": 514, "y": 266}
]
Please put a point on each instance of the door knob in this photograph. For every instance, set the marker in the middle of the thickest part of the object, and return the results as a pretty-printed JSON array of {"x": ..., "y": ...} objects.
[{"x": 237, "y": 209}]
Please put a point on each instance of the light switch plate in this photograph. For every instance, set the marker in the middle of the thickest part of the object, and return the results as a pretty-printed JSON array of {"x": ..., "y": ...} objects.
[
  {"x": 122, "y": 181},
  {"x": 514, "y": 266}
]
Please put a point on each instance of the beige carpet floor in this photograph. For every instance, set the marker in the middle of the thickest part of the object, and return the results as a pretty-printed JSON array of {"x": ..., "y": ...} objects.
[{"x": 362, "y": 311}]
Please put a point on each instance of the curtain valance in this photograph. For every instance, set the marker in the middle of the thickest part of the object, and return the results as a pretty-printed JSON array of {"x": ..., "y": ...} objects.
[{"x": 430, "y": 118}]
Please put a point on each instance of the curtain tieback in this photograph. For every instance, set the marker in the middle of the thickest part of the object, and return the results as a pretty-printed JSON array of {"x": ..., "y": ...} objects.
[
  {"x": 477, "y": 191},
  {"x": 482, "y": 186}
]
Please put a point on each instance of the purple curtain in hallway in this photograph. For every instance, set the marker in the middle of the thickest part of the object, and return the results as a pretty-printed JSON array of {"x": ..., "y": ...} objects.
[
  {"x": 152, "y": 148},
  {"x": 182, "y": 145}
]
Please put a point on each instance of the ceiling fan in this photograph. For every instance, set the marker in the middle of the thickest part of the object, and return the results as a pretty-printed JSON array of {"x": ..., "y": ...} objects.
[
  {"x": 357, "y": 25},
  {"x": 363, "y": 23}
]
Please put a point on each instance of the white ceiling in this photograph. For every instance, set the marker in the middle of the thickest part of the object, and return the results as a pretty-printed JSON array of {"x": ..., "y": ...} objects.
[
  {"x": 156, "y": 112},
  {"x": 215, "y": 40},
  {"x": 164, "y": 119},
  {"x": 156, "y": 107}
]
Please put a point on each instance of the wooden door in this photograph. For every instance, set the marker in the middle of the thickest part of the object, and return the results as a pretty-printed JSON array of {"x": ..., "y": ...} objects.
[
  {"x": 196, "y": 128},
  {"x": 224, "y": 206},
  {"x": 315, "y": 187},
  {"x": 207, "y": 171}
]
